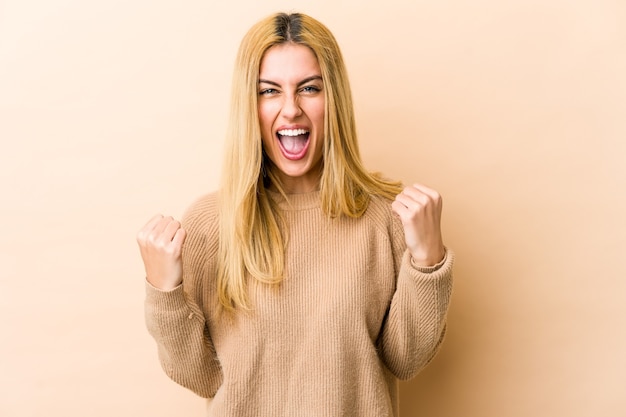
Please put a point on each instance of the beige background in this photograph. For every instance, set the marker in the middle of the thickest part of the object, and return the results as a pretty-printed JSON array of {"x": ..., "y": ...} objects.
[{"x": 514, "y": 110}]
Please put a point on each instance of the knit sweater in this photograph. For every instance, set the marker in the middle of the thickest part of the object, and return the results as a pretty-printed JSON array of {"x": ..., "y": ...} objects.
[{"x": 351, "y": 317}]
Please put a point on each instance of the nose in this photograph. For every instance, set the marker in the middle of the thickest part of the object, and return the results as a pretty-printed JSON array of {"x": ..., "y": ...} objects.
[{"x": 291, "y": 107}]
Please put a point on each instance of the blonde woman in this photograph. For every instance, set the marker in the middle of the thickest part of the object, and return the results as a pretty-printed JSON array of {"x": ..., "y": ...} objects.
[{"x": 305, "y": 286}]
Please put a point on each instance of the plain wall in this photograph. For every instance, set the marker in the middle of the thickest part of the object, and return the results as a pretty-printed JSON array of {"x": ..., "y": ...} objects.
[{"x": 111, "y": 111}]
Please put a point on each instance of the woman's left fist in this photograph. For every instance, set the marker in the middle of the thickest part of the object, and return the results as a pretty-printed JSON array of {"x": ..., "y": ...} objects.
[{"x": 419, "y": 209}]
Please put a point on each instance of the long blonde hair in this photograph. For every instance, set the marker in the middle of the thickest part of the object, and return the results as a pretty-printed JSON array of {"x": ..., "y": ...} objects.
[{"x": 250, "y": 234}]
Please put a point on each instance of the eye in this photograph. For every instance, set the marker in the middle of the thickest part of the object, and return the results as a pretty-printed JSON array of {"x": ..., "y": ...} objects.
[
  {"x": 268, "y": 92},
  {"x": 310, "y": 89}
]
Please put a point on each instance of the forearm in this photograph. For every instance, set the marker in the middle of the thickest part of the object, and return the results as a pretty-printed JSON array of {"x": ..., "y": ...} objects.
[
  {"x": 416, "y": 322},
  {"x": 185, "y": 349}
]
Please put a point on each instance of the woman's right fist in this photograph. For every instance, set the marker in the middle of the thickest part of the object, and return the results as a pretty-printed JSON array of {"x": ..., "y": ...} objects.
[{"x": 160, "y": 242}]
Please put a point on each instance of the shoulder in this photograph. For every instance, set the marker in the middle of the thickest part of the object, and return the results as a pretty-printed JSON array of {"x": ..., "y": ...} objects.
[
  {"x": 200, "y": 220},
  {"x": 201, "y": 210},
  {"x": 380, "y": 213},
  {"x": 379, "y": 209}
]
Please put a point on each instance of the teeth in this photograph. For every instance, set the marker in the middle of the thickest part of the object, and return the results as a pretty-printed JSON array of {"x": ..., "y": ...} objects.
[{"x": 292, "y": 132}]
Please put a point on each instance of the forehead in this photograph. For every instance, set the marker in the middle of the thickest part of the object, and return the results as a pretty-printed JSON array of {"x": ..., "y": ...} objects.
[{"x": 288, "y": 61}]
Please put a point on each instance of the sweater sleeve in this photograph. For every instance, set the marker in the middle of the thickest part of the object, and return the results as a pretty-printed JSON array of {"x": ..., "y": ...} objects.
[
  {"x": 175, "y": 320},
  {"x": 183, "y": 342},
  {"x": 416, "y": 321}
]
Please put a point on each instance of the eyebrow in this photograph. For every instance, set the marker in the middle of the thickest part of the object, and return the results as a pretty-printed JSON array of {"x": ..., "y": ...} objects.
[{"x": 306, "y": 80}]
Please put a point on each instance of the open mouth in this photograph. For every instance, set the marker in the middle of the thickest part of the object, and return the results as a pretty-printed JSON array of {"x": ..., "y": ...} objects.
[{"x": 293, "y": 142}]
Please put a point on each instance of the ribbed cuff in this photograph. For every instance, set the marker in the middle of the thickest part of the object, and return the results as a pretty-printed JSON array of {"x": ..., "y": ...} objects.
[{"x": 171, "y": 300}]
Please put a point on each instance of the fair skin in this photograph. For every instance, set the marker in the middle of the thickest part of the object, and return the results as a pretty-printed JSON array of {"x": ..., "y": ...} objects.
[
  {"x": 160, "y": 243},
  {"x": 291, "y": 114},
  {"x": 419, "y": 209}
]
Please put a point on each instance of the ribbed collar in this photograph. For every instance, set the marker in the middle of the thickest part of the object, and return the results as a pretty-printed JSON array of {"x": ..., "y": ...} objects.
[{"x": 296, "y": 201}]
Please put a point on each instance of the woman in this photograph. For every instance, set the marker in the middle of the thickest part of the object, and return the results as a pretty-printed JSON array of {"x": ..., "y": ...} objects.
[{"x": 306, "y": 286}]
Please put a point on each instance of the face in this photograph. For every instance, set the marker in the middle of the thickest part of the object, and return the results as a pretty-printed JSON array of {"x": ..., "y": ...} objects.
[{"x": 291, "y": 114}]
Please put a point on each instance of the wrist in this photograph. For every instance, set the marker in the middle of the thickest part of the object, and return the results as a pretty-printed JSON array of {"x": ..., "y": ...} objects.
[
  {"x": 428, "y": 260},
  {"x": 163, "y": 286}
]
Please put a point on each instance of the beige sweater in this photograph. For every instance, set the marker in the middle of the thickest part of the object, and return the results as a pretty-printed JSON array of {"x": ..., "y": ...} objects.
[{"x": 351, "y": 317}]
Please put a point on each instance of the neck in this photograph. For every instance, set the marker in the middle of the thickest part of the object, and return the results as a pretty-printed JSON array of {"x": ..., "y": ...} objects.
[{"x": 296, "y": 185}]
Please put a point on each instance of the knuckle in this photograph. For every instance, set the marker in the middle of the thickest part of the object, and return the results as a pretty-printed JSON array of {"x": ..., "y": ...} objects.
[
  {"x": 151, "y": 238},
  {"x": 423, "y": 199}
]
